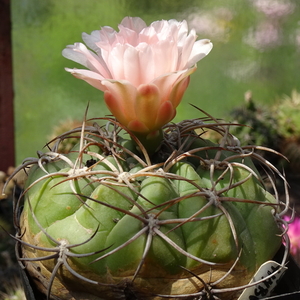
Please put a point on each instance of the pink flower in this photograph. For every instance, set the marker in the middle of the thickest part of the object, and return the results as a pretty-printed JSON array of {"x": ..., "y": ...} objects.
[
  {"x": 294, "y": 234},
  {"x": 143, "y": 71}
]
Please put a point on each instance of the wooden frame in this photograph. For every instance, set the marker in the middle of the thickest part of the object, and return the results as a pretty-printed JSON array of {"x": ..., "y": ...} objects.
[{"x": 7, "y": 153}]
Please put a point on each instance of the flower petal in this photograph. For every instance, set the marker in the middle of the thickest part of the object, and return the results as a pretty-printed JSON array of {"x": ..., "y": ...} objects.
[
  {"x": 137, "y": 126},
  {"x": 167, "y": 82},
  {"x": 120, "y": 98},
  {"x": 92, "y": 78},
  {"x": 131, "y": 61},
  {"x": 80, "y": 54},
  {"x": 178, "y": 91},
  {"x": 200, "y": 49},
  {"x": 91, "y": 40},
  {"x": 165, "y": 114},
  {"x": 137, "y": 24},
  {"x": 147, "y": 103},
  {"x": 187, "y": 47}
]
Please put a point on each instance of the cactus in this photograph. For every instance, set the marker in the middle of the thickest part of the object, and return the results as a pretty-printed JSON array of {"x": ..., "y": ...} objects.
[
  {"x": 141, "y": 208},
  {"x": 276, "y": 127},
  {"x": 107, "y": 219},
  {"x": 66, "y": 145},
  {"x": 262, "y": 124},
  {"x": 287, "y": 114}
]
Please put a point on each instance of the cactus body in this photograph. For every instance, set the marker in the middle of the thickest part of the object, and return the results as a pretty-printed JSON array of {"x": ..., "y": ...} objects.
[{"x": 111, "y": 222}]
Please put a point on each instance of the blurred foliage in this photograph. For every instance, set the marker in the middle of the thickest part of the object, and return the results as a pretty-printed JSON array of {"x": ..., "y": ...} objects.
[
  {"x": 262, "y": 124},
  {"x": 276, "y": 127},
  {"x": 287, "y": 112},
  {"x": 256, "y": 47},
  {"x": 32, "y": 12}
]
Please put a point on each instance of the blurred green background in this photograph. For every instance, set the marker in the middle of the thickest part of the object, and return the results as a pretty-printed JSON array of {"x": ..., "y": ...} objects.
[{"x": 256, "y": 47}]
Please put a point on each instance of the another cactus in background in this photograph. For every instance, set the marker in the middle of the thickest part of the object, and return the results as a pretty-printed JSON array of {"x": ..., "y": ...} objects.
[
  {"x": 287, "y": 113},
  {"x": 262, "y": 124},
  {"x": 142, "y": 208},
  {"x": 277, "y": 127},
  {"x": 66, "y": 145}
]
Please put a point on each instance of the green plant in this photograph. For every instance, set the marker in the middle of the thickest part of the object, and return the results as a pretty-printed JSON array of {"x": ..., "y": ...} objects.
[
  {"x": 261, "y": 124},
  {"x": 276, "y": 127},
  {"x": 141, "y": 208},
  {"x": 119, "y": 221},
  {"x": 287, "y": 112}
]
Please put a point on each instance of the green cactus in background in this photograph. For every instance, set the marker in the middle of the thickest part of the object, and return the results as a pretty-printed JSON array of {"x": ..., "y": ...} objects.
[
  {"x": 276, "y": 127},
  {"x": 262, "y": 126},
  {"x": 66, "y": 145},
  {"x": 287, "y": 112}
]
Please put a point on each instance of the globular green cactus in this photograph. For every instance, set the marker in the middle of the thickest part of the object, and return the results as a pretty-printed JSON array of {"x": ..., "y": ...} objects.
[
  {"x": 66, "y": 145},
  {"x": 276, "y": 127},
  {"x": 107, "y": 220},
  {"x": 287, "y": 112},
  {"x": 262, "y": 126}
]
